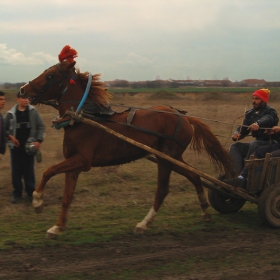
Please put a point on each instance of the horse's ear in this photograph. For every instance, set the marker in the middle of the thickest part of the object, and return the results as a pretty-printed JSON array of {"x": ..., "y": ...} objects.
[{"x": 72, "y": 64}]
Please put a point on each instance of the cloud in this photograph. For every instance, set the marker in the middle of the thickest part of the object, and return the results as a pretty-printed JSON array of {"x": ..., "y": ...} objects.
[
  {"x": 140, "y": 39},
  {"x": 12, "y": 57},
  {"x": 109, "y": 16},
  {"x": 136, "y": 60}
]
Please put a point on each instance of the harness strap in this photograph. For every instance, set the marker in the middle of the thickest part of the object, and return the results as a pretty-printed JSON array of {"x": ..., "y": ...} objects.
[
  {"x": 178, "y": 127},
  {"x": 136, "y": 127},
  {"x": 131, "y": 115}
]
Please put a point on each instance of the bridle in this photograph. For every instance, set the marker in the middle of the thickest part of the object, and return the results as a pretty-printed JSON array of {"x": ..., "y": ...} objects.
[{"x": 51, "y": 80}]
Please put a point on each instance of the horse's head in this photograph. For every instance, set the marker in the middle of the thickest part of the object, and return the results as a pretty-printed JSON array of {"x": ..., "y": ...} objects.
[{"x": 51, "y": 84}]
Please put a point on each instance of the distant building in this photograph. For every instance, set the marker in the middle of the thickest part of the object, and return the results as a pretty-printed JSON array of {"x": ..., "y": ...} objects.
[
  {"x": 217, "y": 83},
  {"x": 252, "y": 83},
  {"x": 158, "y": 83}
]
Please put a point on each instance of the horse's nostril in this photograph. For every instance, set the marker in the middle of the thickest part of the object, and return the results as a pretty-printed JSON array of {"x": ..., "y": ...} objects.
[{"x": 21, "y": 91}]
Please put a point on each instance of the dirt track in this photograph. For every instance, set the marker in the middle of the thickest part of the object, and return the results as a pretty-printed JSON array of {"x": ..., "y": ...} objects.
[
  {"x": 204, "y": 254},
  {"x": 138, "y": 253}
]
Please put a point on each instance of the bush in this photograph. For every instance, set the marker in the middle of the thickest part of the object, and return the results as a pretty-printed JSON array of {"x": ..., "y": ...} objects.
[{"x": 163, "y": 94}]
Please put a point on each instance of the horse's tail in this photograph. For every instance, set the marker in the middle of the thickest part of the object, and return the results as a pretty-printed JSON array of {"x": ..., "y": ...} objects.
[{"x": 204, "y": 139}]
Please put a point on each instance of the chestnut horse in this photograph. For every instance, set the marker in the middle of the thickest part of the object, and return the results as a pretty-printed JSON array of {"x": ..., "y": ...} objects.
[{"x": 62, "y": 86}]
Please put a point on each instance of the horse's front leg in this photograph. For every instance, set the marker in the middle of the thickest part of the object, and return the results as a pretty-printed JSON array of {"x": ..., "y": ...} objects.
[
  {"x": 75, "y": 162},
  {"x": 70, "y": 184},
  {"x": 38, "y": 194}
]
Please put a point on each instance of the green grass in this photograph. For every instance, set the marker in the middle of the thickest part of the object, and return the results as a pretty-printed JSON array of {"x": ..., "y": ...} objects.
[
  {"x": 109, "y": 202},
  {"x": 103, "y": 223}
]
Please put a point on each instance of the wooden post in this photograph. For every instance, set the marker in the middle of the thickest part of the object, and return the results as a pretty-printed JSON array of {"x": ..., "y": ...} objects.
[{"x": 265, "y": 164}]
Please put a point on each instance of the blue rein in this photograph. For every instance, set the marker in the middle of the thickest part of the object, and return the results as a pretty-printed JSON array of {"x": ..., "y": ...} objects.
[
  {"x": 85, "y": 93},
  {"x": 71, "y": 122}
]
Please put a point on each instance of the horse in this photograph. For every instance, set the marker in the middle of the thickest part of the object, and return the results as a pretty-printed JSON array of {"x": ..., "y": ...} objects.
[{"x": 161, "y": 127}]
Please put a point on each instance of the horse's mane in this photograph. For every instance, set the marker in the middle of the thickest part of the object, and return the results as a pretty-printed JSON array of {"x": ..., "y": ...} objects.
[{"x": 97, "y": 93}]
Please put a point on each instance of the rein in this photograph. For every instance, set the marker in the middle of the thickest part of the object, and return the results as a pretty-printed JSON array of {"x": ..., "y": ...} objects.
[
  {"x": 184, "y": 114},
  {"x": 85, "y": 94}
]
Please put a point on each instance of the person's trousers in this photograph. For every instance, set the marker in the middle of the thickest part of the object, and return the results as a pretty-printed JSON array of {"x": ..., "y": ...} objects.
[
  {"x": 240, "y": 151},
  {"x": 22, "y": 170}
]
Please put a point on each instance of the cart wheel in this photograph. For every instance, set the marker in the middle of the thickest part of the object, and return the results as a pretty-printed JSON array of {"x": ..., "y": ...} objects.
[
  {"x": 223, "y": 203},
  {"x": 269, "y": 206}
]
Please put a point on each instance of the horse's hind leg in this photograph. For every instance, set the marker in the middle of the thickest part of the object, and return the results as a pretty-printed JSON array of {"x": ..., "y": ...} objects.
[
  {"x": 196, "y": 181},
  {"x": 70, "y": 184},
  {"x": 164, "y": 170}
]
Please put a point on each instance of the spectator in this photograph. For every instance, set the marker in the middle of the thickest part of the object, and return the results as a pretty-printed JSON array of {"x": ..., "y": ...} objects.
[{"x": 26, "y": 131}]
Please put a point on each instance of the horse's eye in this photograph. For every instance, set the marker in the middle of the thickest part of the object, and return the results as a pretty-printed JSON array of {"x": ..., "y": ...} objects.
[{"x": 49, "y": 77}]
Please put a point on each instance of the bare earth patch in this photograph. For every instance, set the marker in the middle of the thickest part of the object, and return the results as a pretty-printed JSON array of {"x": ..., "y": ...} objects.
[{"x": 212, "y": 257}]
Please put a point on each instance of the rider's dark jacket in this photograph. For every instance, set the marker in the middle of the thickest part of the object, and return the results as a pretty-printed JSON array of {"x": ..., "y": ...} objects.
[{"x": 266, "y": 117}]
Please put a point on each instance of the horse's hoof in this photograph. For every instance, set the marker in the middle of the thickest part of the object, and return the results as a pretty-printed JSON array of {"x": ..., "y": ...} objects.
[
  {"x": 38, "y": 202},
  {"x": 206, "y": 217},
  {"x": 39, "y": 209},
  {"x": 52, "y": 236},
  {"x": 53, "y": 232},
  {"x": 138, "y": 230}
]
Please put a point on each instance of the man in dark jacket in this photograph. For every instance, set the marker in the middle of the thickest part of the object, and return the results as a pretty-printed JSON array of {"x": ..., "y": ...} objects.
[
  {"x": 2, "y": 126},
  {"x": 258, "y": 118}
]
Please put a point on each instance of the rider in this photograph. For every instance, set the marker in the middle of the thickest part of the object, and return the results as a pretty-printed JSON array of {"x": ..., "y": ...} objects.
[{"x": 258, "y": 118}]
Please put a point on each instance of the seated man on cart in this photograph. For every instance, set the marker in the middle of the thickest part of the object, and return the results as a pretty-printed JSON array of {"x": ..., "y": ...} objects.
[{"x": 260, "y": 116}]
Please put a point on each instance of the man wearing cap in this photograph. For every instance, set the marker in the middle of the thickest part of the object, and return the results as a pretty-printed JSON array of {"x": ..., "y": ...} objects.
[{"x": 256, "y": 119}]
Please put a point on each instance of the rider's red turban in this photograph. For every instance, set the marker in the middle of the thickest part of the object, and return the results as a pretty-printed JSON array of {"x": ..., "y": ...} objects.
[
  {"x": 262, "y": 94},
  {"x": 67, "y": 53}
]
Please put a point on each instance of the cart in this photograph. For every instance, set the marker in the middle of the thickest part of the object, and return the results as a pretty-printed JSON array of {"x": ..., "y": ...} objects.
[{"x": 262, "y": 188}]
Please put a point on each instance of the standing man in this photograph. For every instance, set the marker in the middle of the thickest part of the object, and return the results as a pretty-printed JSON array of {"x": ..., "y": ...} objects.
[
  {"x": 2, "y": 126},
  {"x": 26, "y": 132},
  {"x": 258, "y": 118}
]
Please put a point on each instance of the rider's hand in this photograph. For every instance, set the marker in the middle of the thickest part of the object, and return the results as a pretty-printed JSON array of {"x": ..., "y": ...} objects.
[
  {"x": 254, "y": 126},
  {"x": 235, "y": 136},
  {"x": 275, "y": 129}
]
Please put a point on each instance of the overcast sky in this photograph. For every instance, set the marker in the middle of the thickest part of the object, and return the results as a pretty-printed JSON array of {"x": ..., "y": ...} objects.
[{"x": 143, "y": 39}]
